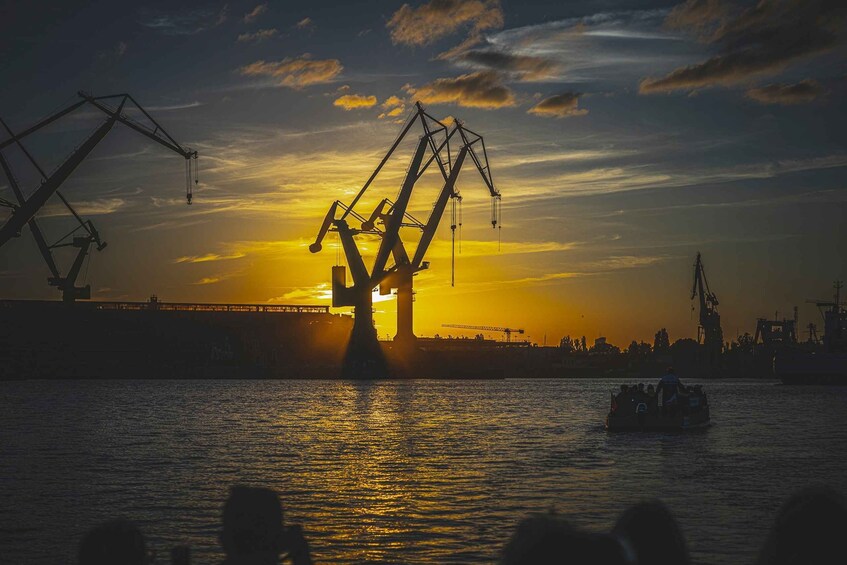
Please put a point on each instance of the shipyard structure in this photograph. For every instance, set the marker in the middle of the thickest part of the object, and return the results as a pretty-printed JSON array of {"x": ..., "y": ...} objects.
[
  {"x": 51, "y": 339},
  {"x": 74, "y": 338}
]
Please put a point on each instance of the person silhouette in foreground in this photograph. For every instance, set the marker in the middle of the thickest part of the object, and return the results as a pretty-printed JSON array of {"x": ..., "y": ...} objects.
[
  {"x": 253, "y": 532},
  {"x": 810, "y": 528},
  {"x": 548, "y": 539},
  {"x": 651, "y": 531},
  {"x": 114, "y": 542}
]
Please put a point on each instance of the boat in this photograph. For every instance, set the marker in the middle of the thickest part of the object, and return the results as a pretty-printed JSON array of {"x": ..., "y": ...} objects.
[
  {"x": 811, "y": 367},
  {"x": 635, "y": 410},
  {"x": 825, "y": 364}
]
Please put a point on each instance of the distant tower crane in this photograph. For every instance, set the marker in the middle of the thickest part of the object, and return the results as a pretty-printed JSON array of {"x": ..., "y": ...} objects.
[
  {"x": 507, "y": 331},
  {"x": 24, "y": 212},
  {"x": 392, "y": 215},
  {"x": 709, "y": 332}
]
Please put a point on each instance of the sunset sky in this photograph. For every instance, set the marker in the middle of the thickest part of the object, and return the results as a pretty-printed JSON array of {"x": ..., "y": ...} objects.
[{"x": 624, "y": 136}]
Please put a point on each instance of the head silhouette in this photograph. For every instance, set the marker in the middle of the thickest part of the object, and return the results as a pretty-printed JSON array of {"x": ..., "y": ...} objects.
[
  {"x": 547, "y": 539},
  {"x": 652, "y": 532},
  {"x": 809, "y": 528},
  {"x": 116, "y": 541},
  {"x": 252, "y": 522}
]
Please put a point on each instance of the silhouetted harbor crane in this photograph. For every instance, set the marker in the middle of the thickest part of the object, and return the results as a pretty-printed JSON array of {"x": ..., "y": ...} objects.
[
  {"x": 507, "y": 331},
  {"x": 392, "y": 215},
  {"x": 709, "y": 332},
  {"x": 24, "y": 212}
]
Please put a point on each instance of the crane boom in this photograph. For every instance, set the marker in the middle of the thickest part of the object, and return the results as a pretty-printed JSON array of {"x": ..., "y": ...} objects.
[
  {"x": 438, "y": 209},
  {"x": 12, "y": 228},
  {"x": 45, "y": 122},
  {"x": 33, "y": 225},
  {"x": 507, "y": 331},
  {"x": 398, "y": 211},
  {"x": 50, "y": 185}
]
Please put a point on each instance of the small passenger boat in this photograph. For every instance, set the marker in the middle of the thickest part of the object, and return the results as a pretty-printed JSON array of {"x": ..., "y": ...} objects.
[{"x": 633, "y": 409}]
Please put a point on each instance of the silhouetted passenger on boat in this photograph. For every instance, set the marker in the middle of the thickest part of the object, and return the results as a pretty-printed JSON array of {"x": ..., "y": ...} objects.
[
  {"x": 653, "y": 534},
  {"x": 652, "y": 399},
  {"x": 670, "y": 387},
  {"x": 810, "y": 528},
  {"x": 114, "y": 542},
  {"x": 253, "y": 531},
  {"x": 548, "y": 539}
]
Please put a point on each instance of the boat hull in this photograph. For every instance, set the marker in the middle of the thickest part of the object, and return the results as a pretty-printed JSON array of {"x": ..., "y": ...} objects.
[
  {"x": 811, "y": 368},
  {"x": 656, "y": 422}
]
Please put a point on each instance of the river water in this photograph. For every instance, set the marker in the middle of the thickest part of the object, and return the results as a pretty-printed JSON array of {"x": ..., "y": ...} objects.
[{"x": 398, "y": 471}]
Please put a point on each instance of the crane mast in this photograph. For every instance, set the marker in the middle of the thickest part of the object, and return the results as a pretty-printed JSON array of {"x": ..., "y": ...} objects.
[
  {"x": 709, "y": 332},
  {"x": 84, "y": 235},
  {"x": 434, "y": 146}
]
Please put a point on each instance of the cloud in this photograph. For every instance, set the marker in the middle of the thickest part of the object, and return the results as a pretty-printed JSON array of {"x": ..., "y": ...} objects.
[
  {"x": 439, "y": 18},
  {"x": 394, "y": 106},
  {"x": 115, "y": 52},
  {"x": 559, "y": 106},
  {"x": 209, "y": 257},
  {"x": 254, "y": 14},
  {"x": 355, "y": 102},
  {"x": 482, "y": 89},
  {"x": 786, "y": 94},
  {"x": 320, "y": 291},
  {"x": 296, "y": 72},
  {"x": 210, "y": 280},
  {"x": 612, "y": 47},
  {"x": 171, "y": 107},
  {"x": 305, "y": 23},
  {"x": 442, "y": 249},
  {"x": 97, "y": 207},
  {"x": 525, "y": 67},
  {"x": 760, "y": 40},
  {"x": 240, "y": 249},
  {"x": 187, "y": 22},
  {"x": 257, "y": 36},
  {"x": 700, "y": 16}
]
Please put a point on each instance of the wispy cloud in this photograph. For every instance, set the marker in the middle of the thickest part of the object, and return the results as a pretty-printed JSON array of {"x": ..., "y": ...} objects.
[
  {"x": 185, "y": 22},
  {"x": 209, "y": 257},
  {"x": 218, "y": 277},
  {"x": 609, "y": 48},
  {"x": 255, "y": 13},
  {"x": 98, "y": 207},
  {"x": 787, "y": 94},
  {"x": 296, "y": 72},
  {"x": 171, "y": 107},
  {"x": 257, "y": 36},
  {"x": 319, "y": 293},
  {"x": 240, "y": 249},
  {"x": 474, "y": 248},
  {"x": 526, "y": 68}
]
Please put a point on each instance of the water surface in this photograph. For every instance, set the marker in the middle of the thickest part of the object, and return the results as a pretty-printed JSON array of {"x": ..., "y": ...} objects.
[{"x": 397, "y": 472}]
